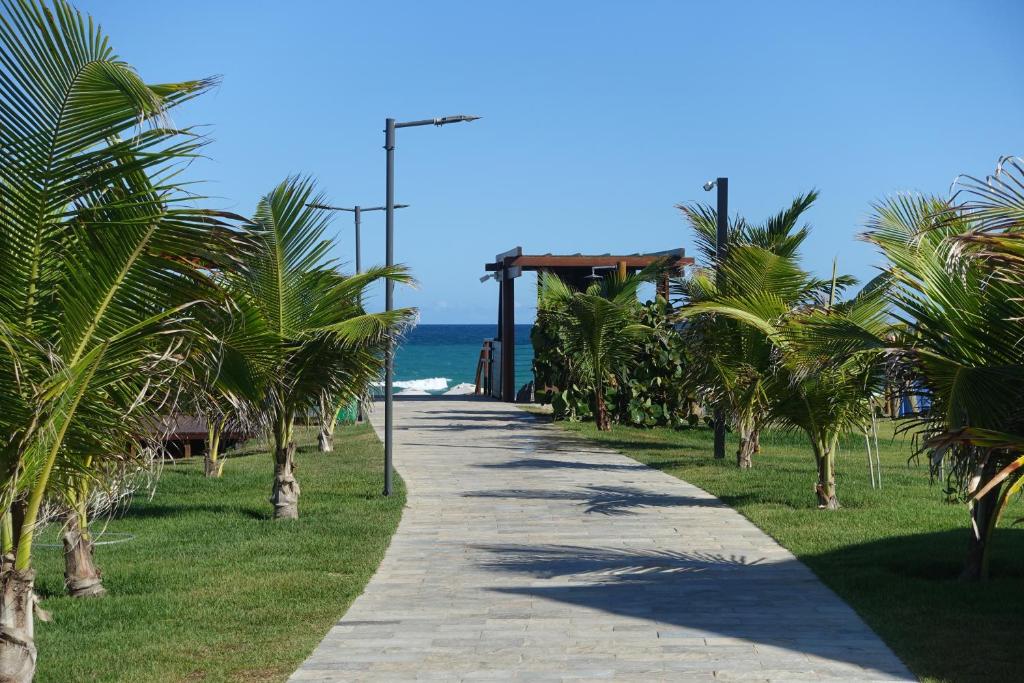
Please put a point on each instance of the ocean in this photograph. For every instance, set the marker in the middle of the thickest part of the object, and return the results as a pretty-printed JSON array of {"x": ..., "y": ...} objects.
[{"x": 435, "y": 358}]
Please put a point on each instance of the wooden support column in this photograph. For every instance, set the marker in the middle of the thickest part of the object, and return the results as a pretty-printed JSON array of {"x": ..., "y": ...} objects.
[
  {"x": 508, "y": 337},
  {"x": 621, "y": 267}
]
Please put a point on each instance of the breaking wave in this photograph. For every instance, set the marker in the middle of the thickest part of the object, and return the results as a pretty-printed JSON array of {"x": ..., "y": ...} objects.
[{"x": 429, "y": 384}]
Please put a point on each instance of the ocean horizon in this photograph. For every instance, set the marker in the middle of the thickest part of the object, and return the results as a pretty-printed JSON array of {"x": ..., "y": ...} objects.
[{"x": 436, "y": 358}]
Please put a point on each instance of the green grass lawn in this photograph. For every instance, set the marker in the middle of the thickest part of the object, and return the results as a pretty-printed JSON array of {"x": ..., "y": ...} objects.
[
  {"x": 893, "y": 554},
  {"x": 212, "y": 589}
]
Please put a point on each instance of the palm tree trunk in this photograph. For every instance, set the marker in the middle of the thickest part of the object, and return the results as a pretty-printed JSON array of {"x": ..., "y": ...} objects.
[
  {"x": 824, "y": 453},
  {"x": 81, "y": 575},
  {"x": 213, "y": 466},
  {"x": 285, "y": 496},
  {"x": 747, "y": 447},
  {"x": 983, "y": 517},
  {"x": 325, "y": 439},
  {"x": 17, "y": 638},
  {"x": 601, "y": 416}
]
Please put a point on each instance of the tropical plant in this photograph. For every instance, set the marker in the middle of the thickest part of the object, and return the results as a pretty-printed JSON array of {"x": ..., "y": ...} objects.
[
  {"x": 812, "y": 384},
  {"x": 956, "y": 290},
  {"x": 599, "y": 329},
  {"x": 331, "y": 408},
  {"x": 304, "y": 333},
  {"x": 656, "y": 391},
  {"x": 827, "y": 393},
  {"x": 102, "y": 257},
  {"x": 732, "y": 363},
  {"x": 653, "y": 391}
]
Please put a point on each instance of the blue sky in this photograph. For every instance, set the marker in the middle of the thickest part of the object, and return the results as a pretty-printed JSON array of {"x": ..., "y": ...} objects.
[{"x": 599, "y": 116}]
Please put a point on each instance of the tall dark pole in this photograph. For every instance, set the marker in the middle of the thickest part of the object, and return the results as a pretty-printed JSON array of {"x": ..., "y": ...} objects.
[
  {"x": 389, "y": 296},
  {"x": 389, "y": 287},
  {"x": 358, "y": 213},
  {"x": 721, "y": 246}
]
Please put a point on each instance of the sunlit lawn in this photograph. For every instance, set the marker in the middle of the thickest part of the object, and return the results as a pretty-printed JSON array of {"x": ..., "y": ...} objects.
[
  {"x": 210, "y": 588},
  {"x": 893, "y": 554}
]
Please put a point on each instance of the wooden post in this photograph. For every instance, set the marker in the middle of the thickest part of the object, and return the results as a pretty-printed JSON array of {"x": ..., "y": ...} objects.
[
  {"x": 188, "y": 449},
  {"x": 508, "y": 337},
  {"x": 621, "y": 265}
]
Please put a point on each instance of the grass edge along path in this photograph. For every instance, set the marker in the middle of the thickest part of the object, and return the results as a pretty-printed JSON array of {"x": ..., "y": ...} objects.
[
  {"x": 892, "y": 554},
  {"x": 210, "y": 588}
]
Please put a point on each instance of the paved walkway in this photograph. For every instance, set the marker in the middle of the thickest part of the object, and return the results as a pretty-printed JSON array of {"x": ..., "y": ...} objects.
[{"x": 526, "y": 554}]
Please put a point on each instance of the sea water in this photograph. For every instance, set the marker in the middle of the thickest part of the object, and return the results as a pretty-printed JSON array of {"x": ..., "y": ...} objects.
[{"x": 436, "y": 358}]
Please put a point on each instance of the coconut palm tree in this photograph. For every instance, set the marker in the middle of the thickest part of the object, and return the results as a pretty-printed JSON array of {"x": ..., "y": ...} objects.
[
  {"x": 956, "y": 291},
  {"x": 599, "y": 329},
  {"x": 813, "y": 385},
  {"x": 827, "y": 393},
  {"x": 304, "y": 332},
  {"x": 102, "y": 258},
  {"x": 733, "y": 362}
]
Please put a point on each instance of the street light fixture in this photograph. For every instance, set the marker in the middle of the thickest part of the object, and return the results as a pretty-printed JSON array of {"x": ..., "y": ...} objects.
[
  {"x": 389, "y": 288},
  {"x": 357, "y": 212},
  {"x": 721, "y": 246}
]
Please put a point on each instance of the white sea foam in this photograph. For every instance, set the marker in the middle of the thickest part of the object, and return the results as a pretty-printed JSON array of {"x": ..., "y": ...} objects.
[
  {"x": 428, "y": 385},
  {"x": 462, "y": 389},
  {"x": 413, "y": 392}
]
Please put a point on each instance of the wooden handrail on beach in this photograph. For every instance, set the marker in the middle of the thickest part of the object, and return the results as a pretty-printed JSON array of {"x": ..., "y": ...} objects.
[{"x": 483, "y": 368}]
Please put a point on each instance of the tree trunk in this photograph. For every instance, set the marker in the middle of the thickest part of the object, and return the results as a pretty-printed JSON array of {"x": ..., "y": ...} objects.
[
  {"x": 826, "y": 486},
  {"x": 328, "y": 421},
  {"x": 213, "y": 466},
  {"x": 601, "y": 416},
  {"x": 81, "y": 575},
  {"x": 747, "y": 448},
  {"x": 983, "y": 513},
  {"x": 325, "y": 440},
  {"x": 285, "y": 495},
  {"x": 17, "y": 639}
]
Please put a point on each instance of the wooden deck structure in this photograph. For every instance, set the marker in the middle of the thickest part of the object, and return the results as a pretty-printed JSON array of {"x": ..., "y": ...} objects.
[
  {"x": 185, "y": 435},
  {"x": 575, "y": 269}
]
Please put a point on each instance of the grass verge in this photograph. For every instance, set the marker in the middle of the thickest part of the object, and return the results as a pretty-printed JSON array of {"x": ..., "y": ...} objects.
[
  {"x": 212, "y": 589},
  {"x": 893, "y": 554}
]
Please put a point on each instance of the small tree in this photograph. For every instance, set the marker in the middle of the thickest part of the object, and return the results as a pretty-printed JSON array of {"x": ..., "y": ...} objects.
[
  {"x": 102, "y": 261},
  {"x": 732, "y": 362},
  {"x": 957, "y": 279},
  {"x": 303, "y": 331},
  {"x": 599, "y": 328},
  {"x": 814, "y": 385}
]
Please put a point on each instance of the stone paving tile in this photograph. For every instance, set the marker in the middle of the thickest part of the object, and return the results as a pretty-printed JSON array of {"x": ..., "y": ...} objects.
[{"x": 527, "y": 554}]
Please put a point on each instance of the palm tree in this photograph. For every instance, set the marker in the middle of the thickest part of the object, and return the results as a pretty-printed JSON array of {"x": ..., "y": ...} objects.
[
  {"x": 305, "y": 332},
  {"x": 734, "y": 362},
  {"x": 102, "y": 257},
  {"x": 825, "y": 392},
  {"x": 956, "y": 291},
  {"x": 599, "y": 329},
  {"x": 813, "y": 385}
]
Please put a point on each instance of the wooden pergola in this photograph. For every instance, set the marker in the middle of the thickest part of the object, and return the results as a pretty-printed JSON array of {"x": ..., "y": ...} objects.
[{"x": 577, "y": 270}]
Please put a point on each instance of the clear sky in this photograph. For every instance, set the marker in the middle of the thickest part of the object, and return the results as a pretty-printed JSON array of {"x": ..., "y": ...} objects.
[{"x": 599, "y": 117}]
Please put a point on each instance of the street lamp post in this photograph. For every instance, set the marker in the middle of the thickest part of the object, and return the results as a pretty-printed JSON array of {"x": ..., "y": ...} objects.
[
  {"x": 357, "y": 212},
  {"x": 721, "y": 246},
  {"x": 389, "y": 288}
]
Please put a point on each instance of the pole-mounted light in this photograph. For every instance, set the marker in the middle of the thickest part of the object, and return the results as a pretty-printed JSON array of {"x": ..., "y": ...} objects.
[
  {"x": 721, "y": 247},
  {"x": 390, "y": 125}
]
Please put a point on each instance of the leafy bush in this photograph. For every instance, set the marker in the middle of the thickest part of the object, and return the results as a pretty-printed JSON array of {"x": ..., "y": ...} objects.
[{"x": 654, "y": 392}]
